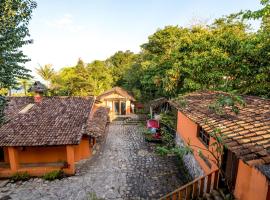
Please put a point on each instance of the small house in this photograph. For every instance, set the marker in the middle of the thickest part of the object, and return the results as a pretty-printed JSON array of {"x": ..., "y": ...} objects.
[
  {"x": 118, "y": 100},
  {"x": 246, "y": 160},
  {"x": 42, "y": 134}
]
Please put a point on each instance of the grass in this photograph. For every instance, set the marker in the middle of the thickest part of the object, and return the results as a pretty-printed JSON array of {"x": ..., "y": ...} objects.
[
  {"x": 20, "y": 176},
  {"x": 53, "y": 175}
]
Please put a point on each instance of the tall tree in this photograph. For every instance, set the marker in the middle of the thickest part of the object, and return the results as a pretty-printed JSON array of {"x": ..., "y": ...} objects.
[
  {"x": 24, "y": 84},
  {"x": 119, "y": 63},
  {"x": 46, "y": 73},
  {"x": 14, "y": 33}
]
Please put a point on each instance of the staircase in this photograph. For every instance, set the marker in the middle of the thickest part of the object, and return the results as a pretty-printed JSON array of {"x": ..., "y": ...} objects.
[{"x": 205, "y": 187}]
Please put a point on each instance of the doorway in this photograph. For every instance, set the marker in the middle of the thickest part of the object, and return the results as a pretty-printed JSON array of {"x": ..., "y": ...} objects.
[
  {"x": 116, "y": 107},
  {"x": 123, "y": 108},
  {"x": 2, "y": 155}
]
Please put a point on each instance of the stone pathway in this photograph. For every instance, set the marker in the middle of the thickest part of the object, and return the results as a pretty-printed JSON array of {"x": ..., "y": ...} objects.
[{"x": 125, "y": 167}]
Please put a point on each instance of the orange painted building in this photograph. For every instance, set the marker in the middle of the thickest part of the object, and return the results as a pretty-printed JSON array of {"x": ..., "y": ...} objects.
[
  {"x": 246, "y": 161},
  {"x": 50, "y": 134}
]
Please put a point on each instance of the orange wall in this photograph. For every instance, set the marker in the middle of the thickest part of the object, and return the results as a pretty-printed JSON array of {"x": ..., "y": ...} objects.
[
  {"x": 250, "y": 183},
  {"x": 69, "y": 153},
  {"x": 42, "y": 154},
  {"x": 188, "y": 131},
  {"x": 82, "y": 150}
]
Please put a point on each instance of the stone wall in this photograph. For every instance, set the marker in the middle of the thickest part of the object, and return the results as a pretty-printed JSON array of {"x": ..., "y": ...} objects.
[{"x": 190, "y": 162}]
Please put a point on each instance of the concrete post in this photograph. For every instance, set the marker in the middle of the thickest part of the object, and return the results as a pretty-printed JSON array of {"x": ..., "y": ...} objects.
[
  {"x": 13, "y": 159},
  {"x": 70, "y": 159}
]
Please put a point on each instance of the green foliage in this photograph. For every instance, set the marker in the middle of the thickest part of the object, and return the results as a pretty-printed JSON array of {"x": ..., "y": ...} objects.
[
  {"x": 224, "y": 55},
  {"x": 46, "y": 73},
  {"x": 167, "y": 137},
  {"x": 169, "y": 118},
  {"x": 258, "y": 13},
  {"x": 232, "y": 101},
  {"x": 20, "y": 176},
  {"x": 82, "y": 79},
  {"x": 3, "y": 103},
  {"x": 161, "y": 150},
  {"x": 119, "y": 64},
  {"x": 14, "y": 19},
  {"x": 182, "y": 102},
  {"x": 53, "y": 175},
  {"x": 146, "y": 131}
]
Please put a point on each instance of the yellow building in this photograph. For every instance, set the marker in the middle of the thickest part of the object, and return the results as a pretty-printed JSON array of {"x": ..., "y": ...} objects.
[{"x": 118, "y": 100}]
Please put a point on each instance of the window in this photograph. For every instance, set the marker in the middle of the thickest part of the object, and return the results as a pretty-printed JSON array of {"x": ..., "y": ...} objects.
[
  {"x": 204, "y": 137},
  {"x": 2, "y": 159}
]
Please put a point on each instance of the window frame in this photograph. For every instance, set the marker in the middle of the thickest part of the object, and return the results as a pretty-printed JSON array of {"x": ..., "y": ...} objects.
[{"x": 203, "y": 136}]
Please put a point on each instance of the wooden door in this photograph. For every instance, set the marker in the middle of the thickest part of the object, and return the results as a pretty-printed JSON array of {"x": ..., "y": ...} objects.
[{"x": 230, "y": 167}]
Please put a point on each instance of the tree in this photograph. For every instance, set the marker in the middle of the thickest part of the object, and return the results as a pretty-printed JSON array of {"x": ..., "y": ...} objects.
[
  {"x": 14, "y": 19},
  {"x": 24, "y": 84},
  {"x": 83, "y": 79},
  {"x": 119, "y": 64},
  {"x": 265, "y": 11},
  {"x": 46, "y": 73},
  {"x": 100, "y": 77},
  {"x": 14, "y": 33}
]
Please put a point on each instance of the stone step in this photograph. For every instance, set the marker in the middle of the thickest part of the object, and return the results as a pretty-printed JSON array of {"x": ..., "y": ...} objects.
[{"x": 217, "y": 195}]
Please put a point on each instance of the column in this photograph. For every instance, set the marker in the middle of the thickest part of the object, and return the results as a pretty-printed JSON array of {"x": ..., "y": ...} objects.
[
  {"x": 13, "y": 159},
  {"x": 127, "y": 107},
  {"x": 70, "y": 159}
]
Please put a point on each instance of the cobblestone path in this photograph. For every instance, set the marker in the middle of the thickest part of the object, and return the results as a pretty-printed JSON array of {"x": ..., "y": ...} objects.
[{"x": 125, "y": 167}]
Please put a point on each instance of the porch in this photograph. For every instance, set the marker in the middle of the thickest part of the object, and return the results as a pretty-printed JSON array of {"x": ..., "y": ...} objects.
[{"x": 38, "y": 161}]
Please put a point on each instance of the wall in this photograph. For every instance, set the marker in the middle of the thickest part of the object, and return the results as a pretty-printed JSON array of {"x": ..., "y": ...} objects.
[
  {"x": 128, "y": 109},
  {"x": 188, "y": 130},
  {"x": 190, "y": 162},
  {"x": 42, "y": 154},
  {"x": 110, "y": 104},
  {"x": 250, "y": 183},
  {"x": 82, "y": 151}
]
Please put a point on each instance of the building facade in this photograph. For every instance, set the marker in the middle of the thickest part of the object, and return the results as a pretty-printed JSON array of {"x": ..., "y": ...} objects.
[
  {"x": 246, "y": 160},
  {"x": 118, "y": 100},
  {"x": 44, "y": 134}
]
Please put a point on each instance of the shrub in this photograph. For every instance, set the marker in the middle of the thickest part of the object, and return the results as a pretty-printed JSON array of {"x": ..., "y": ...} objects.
[
  {"x": 163, "y": 151},
  {"x": 53, "y": 175},
  {"x": 20, "y": 176}
]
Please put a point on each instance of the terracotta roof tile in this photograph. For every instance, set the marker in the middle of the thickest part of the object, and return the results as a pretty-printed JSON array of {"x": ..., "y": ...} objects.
[
  {"x": 54, "y": 121},
  {"x": 251, "y": 127},
  {"x": 15, "y": 105},
  {"x": 97, "y": 124}
]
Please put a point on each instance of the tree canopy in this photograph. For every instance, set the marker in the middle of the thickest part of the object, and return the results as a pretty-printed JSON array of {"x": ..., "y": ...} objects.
[
  {"x": 14, "y": 34},
  {"x": 225, "y": 55}
]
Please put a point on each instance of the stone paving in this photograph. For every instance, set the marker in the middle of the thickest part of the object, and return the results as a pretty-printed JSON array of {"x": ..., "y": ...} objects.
[{"x": 125, "y": 167}]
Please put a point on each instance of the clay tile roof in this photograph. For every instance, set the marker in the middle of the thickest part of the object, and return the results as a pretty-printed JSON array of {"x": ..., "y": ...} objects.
[
  {"x": 15, "y": 105},
  {"x": 54, "y": 121},
  {"x": 97, "y": 123},
  {"x": 118, "y": 90},
  {"x": 248, "y": 133},
  {"x": 157, "y": 102}
]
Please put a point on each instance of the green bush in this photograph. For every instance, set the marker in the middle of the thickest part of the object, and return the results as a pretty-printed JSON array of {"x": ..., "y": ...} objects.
[
  {"x": 20, "y": 176},
  {"x": 161, "y": 150},
  {"x": 53, "y": 175}
]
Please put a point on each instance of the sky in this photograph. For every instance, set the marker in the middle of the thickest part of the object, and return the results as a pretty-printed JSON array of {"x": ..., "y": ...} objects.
[{"x": 66, "y": 30}]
